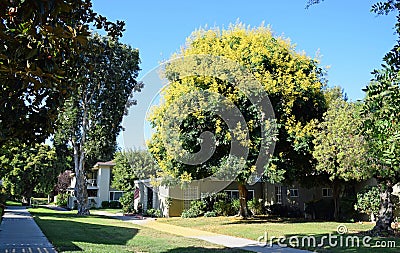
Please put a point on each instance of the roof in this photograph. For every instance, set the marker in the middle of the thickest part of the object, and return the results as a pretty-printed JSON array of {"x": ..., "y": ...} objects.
[{"x": 109, "y": 163}]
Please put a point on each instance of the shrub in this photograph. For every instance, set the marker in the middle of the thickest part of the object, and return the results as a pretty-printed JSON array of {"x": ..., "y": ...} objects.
[
  {"x": 210, "y": 214},
  {"x": 105, "y": 204},
  {"x": 368, "y": 200},
  {"x": 236, "y": 205},
  {"x": 196, "y": 209},
  {"x": 62, "y": 199},
  {"x": 322, "y": 209},
  {"x": 284, "y": 211},
  {"x": 153, "y": 212},
  {"x": 115, "y": 205},
  {"x": 127, "y": 202},
  {"x": 210, "y": 199},
  {"x": 224, "y": 208},
  {"x": 255, "y": 206}
]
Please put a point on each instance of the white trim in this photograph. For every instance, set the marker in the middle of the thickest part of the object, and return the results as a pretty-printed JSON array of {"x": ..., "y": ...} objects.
[{"x": 329, "y": 192}]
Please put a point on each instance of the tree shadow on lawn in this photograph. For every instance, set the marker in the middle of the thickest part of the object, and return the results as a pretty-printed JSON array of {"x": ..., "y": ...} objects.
[
  {"x": 275, "y": 219},
  {"x": 347, "y": 243},
  {"x": 63, "y": 231}
]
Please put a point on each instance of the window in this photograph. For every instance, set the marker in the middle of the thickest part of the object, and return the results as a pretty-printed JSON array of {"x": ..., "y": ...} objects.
[
  {"x": 234, "y": 194},
  {"x": 294, "y": 193},
  {"x": 189, "y": 194},
  {"x": 278, "y": 194},
  {"x": 114, "y": 196},
  {"x": 326, "y": 192}
]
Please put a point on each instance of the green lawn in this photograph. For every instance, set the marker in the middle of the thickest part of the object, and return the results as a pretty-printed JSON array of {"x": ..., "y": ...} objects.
[
  {"x": 71, "y": 233},
  {"x": 254, "y": 228},
  {"x": 13, "y": 203},
  {"x": 108, "y": 210}
]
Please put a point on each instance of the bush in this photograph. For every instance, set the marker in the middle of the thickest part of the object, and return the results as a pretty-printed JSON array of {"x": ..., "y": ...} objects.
[
  {"x": 210, "y": 199},
  {"x": 224, "y": 208},
  {"x": 210, "y": 214},
  {"x": 236, "y": 205},
  {"x": 62, "y": 199},
  {"x": 115, "y": 205},
  {"x": 196, "y": 209},
  {"x": 368, "y": 201},
  {"x": 105, "y": 204},
  {"x": 127, "y": 202},
  {"x": 153, "y": 212},
  {"x": 322, "y": 209},
  {"x": 284, "y": 211},
  {"x": 255, "y": 206}
]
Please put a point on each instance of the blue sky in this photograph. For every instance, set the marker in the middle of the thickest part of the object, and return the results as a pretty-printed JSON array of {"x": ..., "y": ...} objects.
[{"x": 349, "y": 38}]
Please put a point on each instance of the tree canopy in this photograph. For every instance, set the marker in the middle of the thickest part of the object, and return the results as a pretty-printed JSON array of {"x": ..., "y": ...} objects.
[
  {"x": 27, "y": 170},
  {"x": 292, "y": 81},
  {"x": 131, "y": 165},
  {"x": 38, "y": 40}
]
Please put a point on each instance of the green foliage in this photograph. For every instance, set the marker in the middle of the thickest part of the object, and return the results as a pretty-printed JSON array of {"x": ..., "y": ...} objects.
[
  {"x": 196, "y": 209},
  {"x": 236, "y": 205},
  {"x": 127, "y": 202},
  {"x": 255, "y": 206},
  {"x": 28, "y": 169},
  {"x": 62, "y": 199},
  {"x": 105, "y": 204},
  {"x": 39, "y": 39},
  {"x": 153, "y": 212},
  {"x": 131, "y": 165},
  {"x": 210, "y": 214},
  {"x": 368, "y": 200},
  {"x": 340, "y": 148},
  {"x": 91, "y": 118},
  {"x": 210, "y": 199},
  {"x": 224, "y": 208},
  {"x": 293, "y": 82}
]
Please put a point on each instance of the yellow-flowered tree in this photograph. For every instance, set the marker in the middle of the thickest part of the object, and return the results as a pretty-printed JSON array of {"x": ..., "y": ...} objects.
[{"x": 293, "y": 82}]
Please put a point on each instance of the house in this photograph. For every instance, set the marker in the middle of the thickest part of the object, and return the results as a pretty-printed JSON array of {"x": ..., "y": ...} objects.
[
  {"x": 172, "y": 200},
  {"x": 98, "y": 186}
]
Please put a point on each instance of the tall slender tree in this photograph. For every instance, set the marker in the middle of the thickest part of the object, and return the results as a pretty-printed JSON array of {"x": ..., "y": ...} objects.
[{"x": 91, "y": 118}]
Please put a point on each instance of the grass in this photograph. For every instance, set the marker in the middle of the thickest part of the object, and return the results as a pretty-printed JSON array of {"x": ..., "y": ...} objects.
[
  {"x": 13, "y": 203},
  {"x": 254, "y": 228},
  {"x": 71, "y": 233},
  {"x": 109, "y": 210}
]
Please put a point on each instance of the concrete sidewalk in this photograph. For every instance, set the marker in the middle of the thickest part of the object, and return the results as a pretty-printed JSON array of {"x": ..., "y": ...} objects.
[
  {"x": 20, "y": 233},
  {"x": 225, "y": 240}
]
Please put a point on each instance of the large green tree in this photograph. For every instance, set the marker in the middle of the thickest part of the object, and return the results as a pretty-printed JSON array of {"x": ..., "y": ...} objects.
[
  {"x": 340, "y": 148},
  {"x": 37, "y": 40},
  {"x": 27, "y": 170},
  {"x": 91, "y": 119},
  {"x": 382, "y": 131},
  {"x": 131, "y": 165},
  {"x": 293, "y": 82}
]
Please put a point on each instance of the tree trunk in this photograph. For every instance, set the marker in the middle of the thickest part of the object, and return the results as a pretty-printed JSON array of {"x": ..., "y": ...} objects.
[
  {"x": 336, "y": 191},
  {"x": 385, "y": 217},
  {"x": 243, "y": 211},
  {"x": 80, "y": 185}
]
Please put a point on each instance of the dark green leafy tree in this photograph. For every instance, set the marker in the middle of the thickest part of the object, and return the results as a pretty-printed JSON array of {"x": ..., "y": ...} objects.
[
  {"x": 37, "y": 40},
  {"x": 28, "y": 170},
  {"x": 368, "y": 201},
  {"x": 91, "y": 119},
  {"x": 382, "y": 132},
  {"x": 131, "y": 165}
]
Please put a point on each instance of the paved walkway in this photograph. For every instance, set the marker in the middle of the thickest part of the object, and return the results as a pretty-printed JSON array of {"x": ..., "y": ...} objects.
[
  {"x": 225, "y": 240},
  {"x": 20, "y": 233}
]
